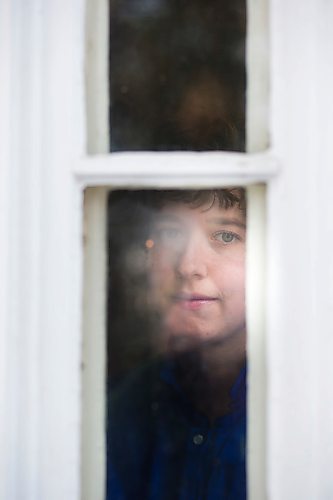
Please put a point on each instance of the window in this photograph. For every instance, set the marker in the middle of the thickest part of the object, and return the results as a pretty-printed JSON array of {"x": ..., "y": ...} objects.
[
  {"x": 177, "y": 343},
  {"x": 177, "y": 75},
  {"x": 163, "y": 170}
]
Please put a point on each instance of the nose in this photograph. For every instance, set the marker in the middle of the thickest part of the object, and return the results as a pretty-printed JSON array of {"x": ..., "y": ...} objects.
[{"x": 192, "y": 262}]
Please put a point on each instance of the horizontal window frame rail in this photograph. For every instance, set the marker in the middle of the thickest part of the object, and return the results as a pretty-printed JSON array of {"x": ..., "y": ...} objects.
[{"x": 175, "y": 169}]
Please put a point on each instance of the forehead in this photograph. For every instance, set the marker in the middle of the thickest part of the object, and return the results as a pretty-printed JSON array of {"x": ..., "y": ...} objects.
[{"x": 209, "y": 213}]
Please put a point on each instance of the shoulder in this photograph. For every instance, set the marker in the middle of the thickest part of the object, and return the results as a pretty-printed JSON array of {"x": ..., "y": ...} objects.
[
  {"x": 145, "y": 407},
  {"x": 134, "y": 424}
]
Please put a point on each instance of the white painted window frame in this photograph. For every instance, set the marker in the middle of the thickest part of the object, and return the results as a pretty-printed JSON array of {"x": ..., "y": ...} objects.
[{"x": 43, "y": 172}]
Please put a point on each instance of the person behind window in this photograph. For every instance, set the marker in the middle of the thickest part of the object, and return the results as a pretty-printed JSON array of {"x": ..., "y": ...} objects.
[{"x": 177, "y": 423}]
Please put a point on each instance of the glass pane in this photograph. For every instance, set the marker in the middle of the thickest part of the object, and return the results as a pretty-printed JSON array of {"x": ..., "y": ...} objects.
[
  {"x": 177, "y": 74},
  {"x": 176, "y": 426}
]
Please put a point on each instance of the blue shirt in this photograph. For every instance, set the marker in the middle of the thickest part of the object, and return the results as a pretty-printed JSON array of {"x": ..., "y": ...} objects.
[{"x": 160, "y": 448}]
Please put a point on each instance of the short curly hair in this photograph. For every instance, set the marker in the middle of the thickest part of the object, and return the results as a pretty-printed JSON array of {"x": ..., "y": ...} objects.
[{"x": 225, "y": 197}]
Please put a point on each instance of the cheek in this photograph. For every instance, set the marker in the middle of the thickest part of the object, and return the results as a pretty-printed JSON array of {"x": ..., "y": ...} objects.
[
  {"x": 160, "y": 275},
  {"x": 230, "y": 277},
  {"x": 161, "y": 265}
]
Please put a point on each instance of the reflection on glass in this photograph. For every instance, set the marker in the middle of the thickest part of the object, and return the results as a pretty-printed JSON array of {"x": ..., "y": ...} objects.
[
  {"x": 177, "y": 74},
  {"x": 177, "y": 345}
]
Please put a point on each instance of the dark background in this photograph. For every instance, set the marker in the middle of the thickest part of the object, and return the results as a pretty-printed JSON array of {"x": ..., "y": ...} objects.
[{"x": 177, "y": 75}]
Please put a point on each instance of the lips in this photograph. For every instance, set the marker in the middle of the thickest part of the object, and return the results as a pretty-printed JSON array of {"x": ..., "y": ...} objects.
[{"x": 194, "y": 301}]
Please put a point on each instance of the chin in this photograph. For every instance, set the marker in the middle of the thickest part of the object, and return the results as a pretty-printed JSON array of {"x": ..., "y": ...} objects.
[
  {"x": 182, "y": 343},
  {"x": 179, "y": 341}
]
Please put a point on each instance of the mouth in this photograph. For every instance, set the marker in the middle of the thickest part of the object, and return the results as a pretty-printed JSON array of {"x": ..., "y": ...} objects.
[{"x": 193, "y": 301}]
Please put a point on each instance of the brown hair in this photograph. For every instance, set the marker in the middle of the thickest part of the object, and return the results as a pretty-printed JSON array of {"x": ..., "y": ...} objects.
[{"x": 225, "y": 197}]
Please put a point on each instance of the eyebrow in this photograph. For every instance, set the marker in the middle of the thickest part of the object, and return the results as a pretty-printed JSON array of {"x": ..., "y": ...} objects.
[
  {"x": 167, "y": 218},
  {"x": 226, "y": 221},
  {"x": 219, "y": 221}
]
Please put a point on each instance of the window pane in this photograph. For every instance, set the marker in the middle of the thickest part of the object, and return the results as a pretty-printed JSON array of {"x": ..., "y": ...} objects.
[
  {"x": 177, "y": 75},
  {"x": 176, "y": 426}
]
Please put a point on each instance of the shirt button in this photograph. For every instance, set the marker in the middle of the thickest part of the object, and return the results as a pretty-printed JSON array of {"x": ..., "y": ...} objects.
[{"x": 198, "y": 439}]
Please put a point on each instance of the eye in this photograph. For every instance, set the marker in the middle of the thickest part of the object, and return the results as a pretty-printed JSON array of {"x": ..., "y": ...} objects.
[
  {"x": 170, "y": 233},
  {"x": 225, "y": 237},
  {"x": 170, "y": 236}
]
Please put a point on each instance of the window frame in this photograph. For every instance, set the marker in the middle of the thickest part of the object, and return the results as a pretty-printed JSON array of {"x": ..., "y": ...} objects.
[
  {"x": 41, "y": 260},
  {"x": 95, "y": 290}
]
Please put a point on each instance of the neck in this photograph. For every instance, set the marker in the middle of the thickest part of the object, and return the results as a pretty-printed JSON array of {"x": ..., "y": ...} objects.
[{"x": 209, "y": 371}]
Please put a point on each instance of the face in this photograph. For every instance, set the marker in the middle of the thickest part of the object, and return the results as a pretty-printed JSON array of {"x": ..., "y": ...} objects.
[{"x": 197, "y": 264}]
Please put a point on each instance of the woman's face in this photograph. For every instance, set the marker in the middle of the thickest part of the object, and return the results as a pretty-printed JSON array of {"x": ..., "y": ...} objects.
[{"x": 197, "y": 273}]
